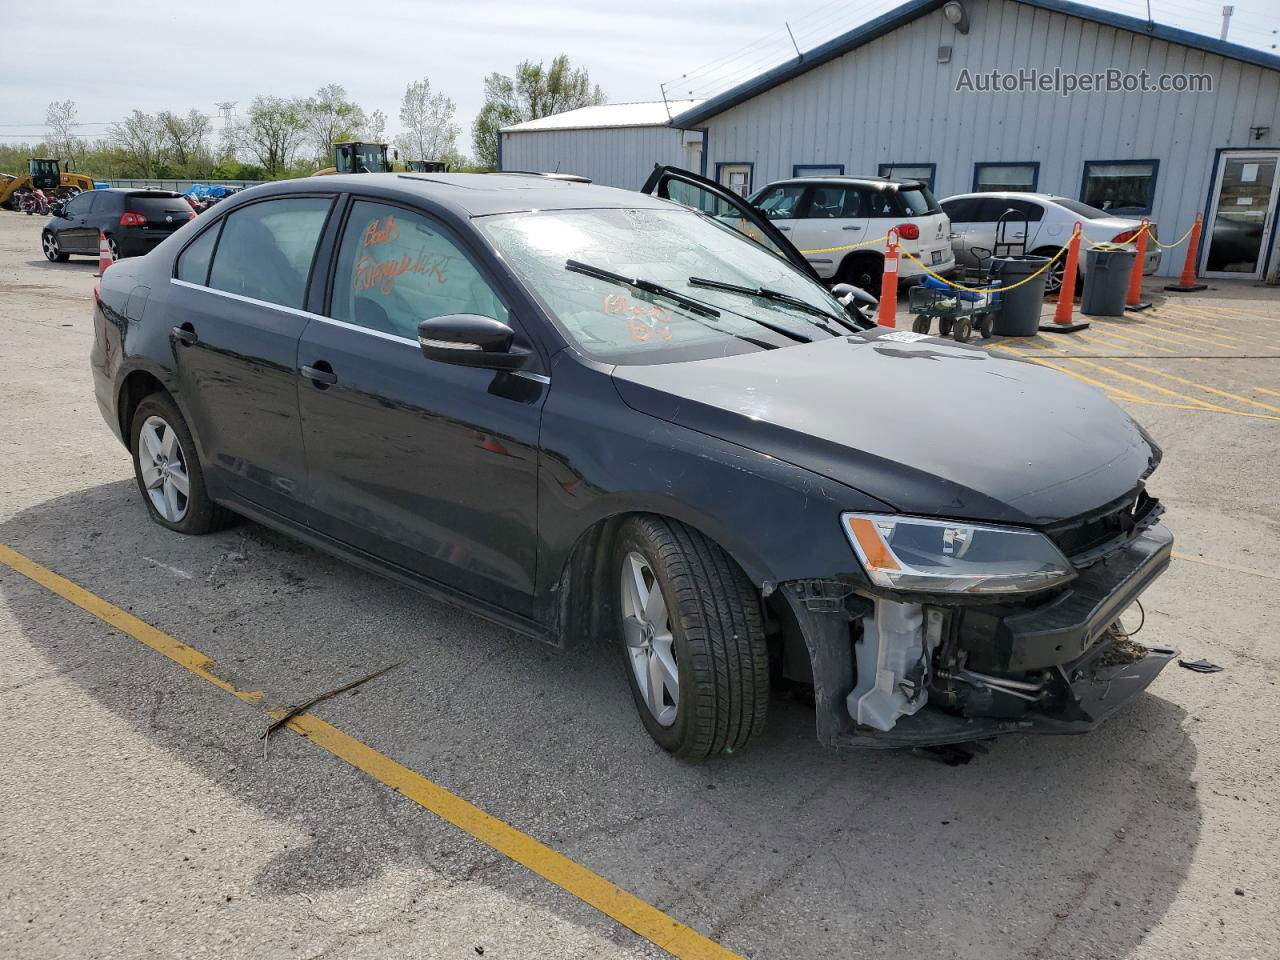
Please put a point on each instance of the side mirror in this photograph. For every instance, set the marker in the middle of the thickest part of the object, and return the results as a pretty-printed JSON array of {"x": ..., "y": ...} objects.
[
  {"x": 852, "y": 296},
  {"x": 470, "y": 340}
]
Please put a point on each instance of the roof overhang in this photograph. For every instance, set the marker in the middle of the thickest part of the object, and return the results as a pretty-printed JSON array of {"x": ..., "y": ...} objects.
[{"x": 912, "y": 10}]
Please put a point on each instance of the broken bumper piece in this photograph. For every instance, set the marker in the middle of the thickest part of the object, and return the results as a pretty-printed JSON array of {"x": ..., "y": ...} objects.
[
  {"x": 1100, "y": 691},
  {"x": 919, "y": 672}
]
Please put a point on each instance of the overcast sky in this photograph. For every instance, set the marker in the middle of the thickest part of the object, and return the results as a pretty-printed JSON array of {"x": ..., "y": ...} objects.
[{"x": 111, "y": 58}]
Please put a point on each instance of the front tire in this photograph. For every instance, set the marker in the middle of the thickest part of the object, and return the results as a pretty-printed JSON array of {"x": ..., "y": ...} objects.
[
  {"x": 168, "y": 470},
  {"x": 52, "y": 250},
  {"x": 863, "y": 270},
  {"x": 692, "y": 639}
]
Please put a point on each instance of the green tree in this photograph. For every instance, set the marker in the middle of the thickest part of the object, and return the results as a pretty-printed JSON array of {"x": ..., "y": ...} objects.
[
  {"x": 430, "y": 133},
  {"x": 535, "y": 91},
  {"x": 272, "y": 132},
  {"x": 330, "y": 117},
  {"x": 185, "y": 140},
  {"x": 140, "y": 138}
]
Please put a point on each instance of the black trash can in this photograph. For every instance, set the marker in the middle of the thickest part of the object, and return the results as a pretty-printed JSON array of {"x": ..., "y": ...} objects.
[
  {"x": 1019, "y": 314},
  {"x": 1106, "y": 280}
]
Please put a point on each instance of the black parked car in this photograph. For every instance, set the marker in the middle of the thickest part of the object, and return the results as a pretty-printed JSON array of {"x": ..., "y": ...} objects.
[
  {"x": 133, "y": 221},
  {"x": 588, "y": 413}
]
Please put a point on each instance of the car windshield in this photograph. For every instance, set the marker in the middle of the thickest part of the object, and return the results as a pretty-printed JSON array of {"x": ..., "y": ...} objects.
[
  {"x": 619, "y": 323},
  {"x": 1083, "y": 209}
]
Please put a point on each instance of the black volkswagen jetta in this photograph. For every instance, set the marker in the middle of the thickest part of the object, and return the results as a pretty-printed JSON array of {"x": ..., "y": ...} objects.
[{"x": 589, "y": 413}]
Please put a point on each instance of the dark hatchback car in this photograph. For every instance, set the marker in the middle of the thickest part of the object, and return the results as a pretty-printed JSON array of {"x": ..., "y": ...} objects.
[
  {"x": 588, "y": 413},
  {"x": 133, "y": 221}
]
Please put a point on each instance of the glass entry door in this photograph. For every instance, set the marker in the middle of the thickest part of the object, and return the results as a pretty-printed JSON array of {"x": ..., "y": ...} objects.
[{"x": 1242, "y": 215}]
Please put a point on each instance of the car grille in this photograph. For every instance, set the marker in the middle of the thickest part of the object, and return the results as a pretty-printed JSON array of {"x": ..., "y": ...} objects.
[{"x": 1088, "y": 538}]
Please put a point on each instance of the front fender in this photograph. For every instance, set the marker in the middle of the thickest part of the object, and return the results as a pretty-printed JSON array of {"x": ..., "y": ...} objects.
[{"x": 602, "y": 459}]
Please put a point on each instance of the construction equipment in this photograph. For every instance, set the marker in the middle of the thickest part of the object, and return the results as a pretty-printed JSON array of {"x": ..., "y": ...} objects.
[
  {"x": 355, "y": 156},
  {"x": 44, "y": 173}
]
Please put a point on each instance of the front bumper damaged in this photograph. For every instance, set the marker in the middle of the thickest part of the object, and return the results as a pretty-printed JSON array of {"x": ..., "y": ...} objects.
[{"x": 933, "y": 672}]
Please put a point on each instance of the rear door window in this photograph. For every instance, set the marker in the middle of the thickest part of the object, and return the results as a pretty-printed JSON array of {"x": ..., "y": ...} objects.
[
  {"x": 267, "y": 248},
  {"x": 830, "y": 202},
  {"x": 397, "y": 267}
]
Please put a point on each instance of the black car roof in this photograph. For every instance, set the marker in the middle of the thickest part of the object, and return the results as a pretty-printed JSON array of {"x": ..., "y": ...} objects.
[{"x": 475, "y": 194}]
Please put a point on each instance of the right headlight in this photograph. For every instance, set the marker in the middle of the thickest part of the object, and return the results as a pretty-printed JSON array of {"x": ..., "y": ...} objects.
[{"x": 920, "y": 555}]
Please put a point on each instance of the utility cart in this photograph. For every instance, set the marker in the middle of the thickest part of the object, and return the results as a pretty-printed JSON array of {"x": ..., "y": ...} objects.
[{"x": 958, "y": 313}]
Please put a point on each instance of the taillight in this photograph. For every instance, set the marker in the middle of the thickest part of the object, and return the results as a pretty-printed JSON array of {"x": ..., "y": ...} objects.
[
  {"x": 1124, "y": 237},
  {"x": 132, "y": 220},
  {"x": 908, "y": 231}
]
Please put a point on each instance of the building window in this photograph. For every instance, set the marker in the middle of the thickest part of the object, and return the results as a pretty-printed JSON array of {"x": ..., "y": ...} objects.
[
  {"x": 735, "y": 176},
  {"x": 1122, "y": 187},
  {"x": 924, "y": 172},
  {"x": 1006, "y": 177},
  {"x": 817, "y": 170}
]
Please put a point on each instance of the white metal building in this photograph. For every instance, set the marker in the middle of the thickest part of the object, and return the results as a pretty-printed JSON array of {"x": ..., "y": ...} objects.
[
  {"x": 616, "y": 144},
  {"x": 903, "y": 95}
]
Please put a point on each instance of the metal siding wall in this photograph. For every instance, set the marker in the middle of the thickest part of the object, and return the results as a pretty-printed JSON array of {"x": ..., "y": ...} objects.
[
  {"x": 615, "y": 157},
  {"x": 892, "y": 102}
]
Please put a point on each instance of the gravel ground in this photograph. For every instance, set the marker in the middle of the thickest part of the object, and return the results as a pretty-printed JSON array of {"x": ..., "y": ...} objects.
[{"x": 139, "y": 817}]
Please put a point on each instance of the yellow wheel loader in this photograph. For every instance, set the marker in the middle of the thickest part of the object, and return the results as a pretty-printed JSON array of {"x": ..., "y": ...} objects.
[{"x": 44, "y": 174}]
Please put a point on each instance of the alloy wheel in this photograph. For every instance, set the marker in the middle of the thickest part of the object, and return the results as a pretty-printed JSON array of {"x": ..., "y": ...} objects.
[
  {"x": 1053, "y": 276},
  {"x": 646, "y": 630},
  {"x": 50, "y": 244},
  {"x": 164, "y": 469}
]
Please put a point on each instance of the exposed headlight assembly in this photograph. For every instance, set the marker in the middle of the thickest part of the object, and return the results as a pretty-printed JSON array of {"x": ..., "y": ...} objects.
[{"x": 919, "y": 555}]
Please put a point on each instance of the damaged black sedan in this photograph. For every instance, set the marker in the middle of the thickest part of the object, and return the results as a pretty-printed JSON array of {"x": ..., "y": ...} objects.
[{"x": 591, "y": 414}]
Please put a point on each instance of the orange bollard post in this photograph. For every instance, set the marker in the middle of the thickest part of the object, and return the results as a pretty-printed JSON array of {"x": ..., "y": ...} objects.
[
  {"x": 105, "y": 259},
  {"x": 1062, "y": 322},
  {"x": 1187, "y": 283},
  {"x": 1134, "y": 299},
  {"x": 889, "y": 284}
]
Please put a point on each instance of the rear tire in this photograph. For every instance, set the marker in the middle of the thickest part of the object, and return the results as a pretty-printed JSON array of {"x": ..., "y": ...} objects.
[
  {"x": 687, "y": 613},
  {"x": 165, "y": 461},
  {"x": 1054, "y": 275}
]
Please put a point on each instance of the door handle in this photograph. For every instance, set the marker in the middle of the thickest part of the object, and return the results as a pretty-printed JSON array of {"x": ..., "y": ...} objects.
[
  {"x": 785, "y": 229},
  {"x": 186, "y": 334},
  {"x": 850, "y": 228},
  {"x": 321, "y": 374}
]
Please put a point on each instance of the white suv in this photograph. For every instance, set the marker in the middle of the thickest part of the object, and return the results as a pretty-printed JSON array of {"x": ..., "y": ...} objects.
[
  {"x": 821, "y": 213},
  {"x": 1047, "y": 219}
]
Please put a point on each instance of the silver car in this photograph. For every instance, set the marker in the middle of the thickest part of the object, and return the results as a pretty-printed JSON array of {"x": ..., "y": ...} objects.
[{"x": 1042, "y": 221}]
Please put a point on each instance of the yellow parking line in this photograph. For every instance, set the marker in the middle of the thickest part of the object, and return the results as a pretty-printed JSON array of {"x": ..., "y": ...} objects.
[
  {"x": 1151, "y": 386},
  {"x": 1200, "y": 386},
  {"x": 1121, "y": 338},
  {"x": 1219, "y": 329},
  {"x": 1117, "y": 391},
  {"x": 1180, "y": 336},
  {"x": 591, "y": 888}
]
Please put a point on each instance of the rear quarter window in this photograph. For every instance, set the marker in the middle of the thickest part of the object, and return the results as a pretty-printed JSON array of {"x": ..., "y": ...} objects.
[{"x": 193, "y": 262}]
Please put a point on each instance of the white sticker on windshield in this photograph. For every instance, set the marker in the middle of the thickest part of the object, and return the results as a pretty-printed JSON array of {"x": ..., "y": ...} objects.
[{"x": 904, "y": 336}]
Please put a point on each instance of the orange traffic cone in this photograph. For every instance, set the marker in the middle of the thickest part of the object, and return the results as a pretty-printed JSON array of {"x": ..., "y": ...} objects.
[
  {"x": 105, "y": 259},
  {"x": 1188, "y": 283},
  {"x": 1134, "y": 301},
  {"x": 1067, "y": 295},
  {"x": 889, "y": 284}
]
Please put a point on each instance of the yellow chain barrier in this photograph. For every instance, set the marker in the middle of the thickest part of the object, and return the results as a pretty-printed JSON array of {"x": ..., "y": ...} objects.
[
  {"x": 1013, "y": 286},
  {"x": 847, "y": 246}
]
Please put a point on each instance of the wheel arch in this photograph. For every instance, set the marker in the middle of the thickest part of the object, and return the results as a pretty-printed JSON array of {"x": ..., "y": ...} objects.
[
  {"x": 853, "y": 257},
  {"x": 136, "y": 386},
  {"x": 580, "y": 598}
]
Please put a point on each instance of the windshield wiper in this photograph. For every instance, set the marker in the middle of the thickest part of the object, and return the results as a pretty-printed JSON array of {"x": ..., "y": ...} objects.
[
  {"x": 777, "y": 296},
  {"x": 693, "y": 306},
  {"x": 639, "y": 283}
]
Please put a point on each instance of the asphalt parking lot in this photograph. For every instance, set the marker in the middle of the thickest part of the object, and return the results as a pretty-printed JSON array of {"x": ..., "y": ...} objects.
[{"x": 141, "y": 814}]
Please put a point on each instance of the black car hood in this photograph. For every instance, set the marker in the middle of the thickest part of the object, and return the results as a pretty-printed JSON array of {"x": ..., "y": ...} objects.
[{"x": 925, "y": 425}]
